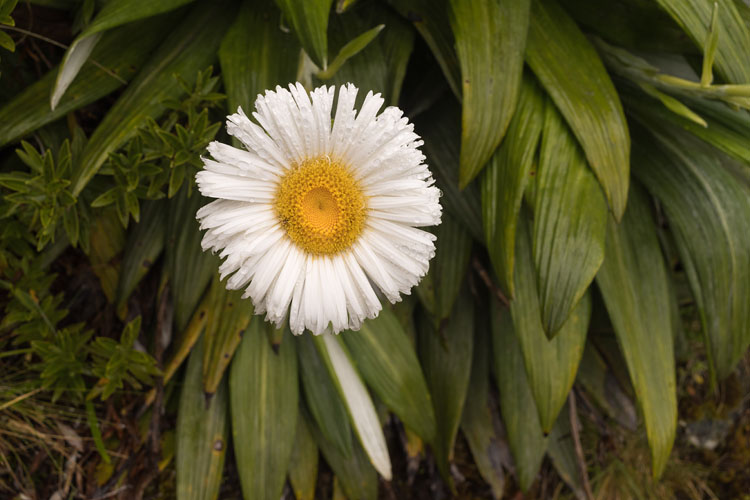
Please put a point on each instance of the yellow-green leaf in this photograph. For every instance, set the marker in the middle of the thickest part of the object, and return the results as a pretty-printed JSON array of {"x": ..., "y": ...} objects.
[
  {"x": 551, "y": 364},
  {"x": 303, "y": 464},
  {"x": 228, "y": 317},
  {"x": 446, "y": 359},
  {"x": 732, "y": 57},
  {"x": 633, "y": 282},
  {"x": 309, "y": 20},
  {"x": 505, "y": 180},
  {"x": 707, "y": 206},
  {"x": 188, "y": 49},
  {"x": 490, "y": 40},
  {"x": 256, "y": 55},
  {"x": 386, "y": 359},
  {"x": 202, "y": 434},
  {"x": 525, "y": 437},
  {"x": 570, "y": 223},
  {"x": 322, "y": 397},
  {"x": 263, "y": 391},
  {"x": 571, "y": 72},
  {"x": 122, "y": 51},
  {"x": 188, "y": 267},
  {"x": 112, "y": 14}
]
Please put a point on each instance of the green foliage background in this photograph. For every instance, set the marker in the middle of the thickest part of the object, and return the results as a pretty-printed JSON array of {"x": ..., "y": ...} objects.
[{"x": 594, "y": 161}]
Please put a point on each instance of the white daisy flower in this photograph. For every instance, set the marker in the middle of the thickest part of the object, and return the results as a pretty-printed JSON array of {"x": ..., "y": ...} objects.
[{"x": 314, "y": 213}]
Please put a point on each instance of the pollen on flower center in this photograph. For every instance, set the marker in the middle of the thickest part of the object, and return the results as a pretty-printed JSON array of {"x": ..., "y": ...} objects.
[{"x": 321, "y": 206}]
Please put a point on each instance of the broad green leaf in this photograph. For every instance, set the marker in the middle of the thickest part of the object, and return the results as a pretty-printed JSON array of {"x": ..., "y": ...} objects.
[
  {"x": 570, "y": 223},
  {"x": 228, "y": 317},
  {"x": 733, "y": 51},
  {"x": 490, "y": 40},
  {"x": 107, "y": 241},
  {"x": 551, "y": 364},
  {"x": 351, "y": 49},
  {"x": 571, "y": 72},
  {"x": 430, "y": 18},
  {"x": 602, "y": 386},
  {"x": 505, "y": 180},
  {"x": 480, "y": 421},
  {"x": 561, "y": 450},
  {"x": 189, "y": 268},
  {"x": 202, "y": 434},
  {"x": 113, "y": 14},
  {"x": 122, "y": 51},
  {"x": 303, "y": 464},
  {"x": 439, "y": 130},
  {"x": 707, "y": 206},
  {"x": 381, "y": 65},
  {"x": 144, "y": 244},
  {"x": 439, "y": 289},
  {"x": 674, "y": 105},
  {"x": 726, "y": 128},
  {"x": 446, "y": 359},
  {"x": 353, "y": 470},
  {"x": 322, "y": 397},
  {"x": 256, "y": 55},
  {"x": 359, "y": 405},
  {"x": 309, "y": 21},
  {"x": 633, "y": 282},
  {"x": 386, "y": 359},
  {"x": 189, "y": 48},
  {"x": 525, "y": 437},
  {"x": 263, "y": 390}
]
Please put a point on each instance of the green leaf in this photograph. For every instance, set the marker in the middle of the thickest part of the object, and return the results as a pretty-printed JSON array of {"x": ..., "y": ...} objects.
[
  {"x": 228, "y": 317},
  {"x": 188, "y": 267},
  {"x": 733, "y": 50},
  {"x": 113, "y": 14},
  {"x": 263, "y": 391},
  {"x": 385, "y": 358},
  {"x": 480, "y": 421},
  {"x": 633, "y": 282},
  {"x": 561, "y": 450},
  {"x": 381, "y": 65},
  {"x": 726, "y": 128},
  {"x": 571, "y": 72},
  {"x": 525, "y": 436},
  {"x": 707, "y": 206},
  {"x": 439, "y": 129},
  {"x": 202, "y": 434},
  {"x": 303, "y": 464},
  {"x": 145, "y": 243},
  {"x": 190, "y": 47},
  {"x": 352, "y": 48},
  {"x": 673, "y": 105},
  {"x": 353, "y": 470},
  {"x": 322, "y": 397},
  {"x": 309, "y": 20},
  {"x": 505, "y": 179},
  {"x": 490, "y": 40},
  {"x": 570, "y": 223},
  {"x": 359, "y": 405},
  {"x": 439, "y": 289},
  {"x": 551, "y": 364},
  {"x": 256, "y": 55},
  {"x": 446, "y": 359},
  {"x": 431, "y": 21},
  {"x": 596, "y": 377},
  {"x": 709, "y": 48},
  {"x": 7, "y": 42}
]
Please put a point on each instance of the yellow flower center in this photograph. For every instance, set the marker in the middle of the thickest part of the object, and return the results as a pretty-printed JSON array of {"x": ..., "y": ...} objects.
[{"x": 321, "y": 206}]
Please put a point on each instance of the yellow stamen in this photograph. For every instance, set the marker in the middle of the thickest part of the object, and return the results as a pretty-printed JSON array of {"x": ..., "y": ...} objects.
[{"x": 321, "y": 206}]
